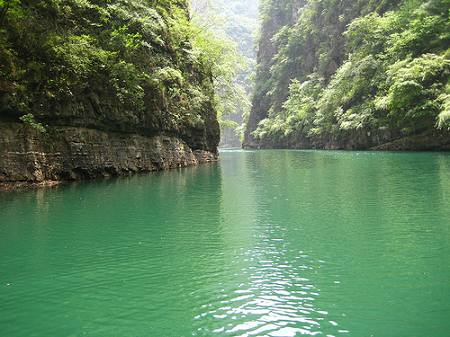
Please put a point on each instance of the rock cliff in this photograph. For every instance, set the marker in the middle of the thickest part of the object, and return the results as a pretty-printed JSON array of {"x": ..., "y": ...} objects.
[
  {"x": 94, "y": 88},
  {"x": 352, "y": 75}
]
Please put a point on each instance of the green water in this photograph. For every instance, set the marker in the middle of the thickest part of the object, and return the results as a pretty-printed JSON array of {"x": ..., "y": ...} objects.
[{"x": 273, "y": 243}]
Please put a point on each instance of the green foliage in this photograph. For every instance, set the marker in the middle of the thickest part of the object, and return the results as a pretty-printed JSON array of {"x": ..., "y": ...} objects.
[
  {"x": 393, "y": 74},
  {"x": 370, "y": 35},
  {"x": 297, "y": 110},
  {"x": 444, "y": 116},
  {"x": 127, "y": 82},
  {"x": 29, "y": 119},
  {"x": 9, "y": 7},
  {"x": 225, "y": 29},
  {"x": 415, "y": 86},
  {"x": 141, "y": 60}
]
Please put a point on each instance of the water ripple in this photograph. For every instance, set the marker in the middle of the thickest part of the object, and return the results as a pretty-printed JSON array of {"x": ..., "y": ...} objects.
[{"x": 287, "y": 243}]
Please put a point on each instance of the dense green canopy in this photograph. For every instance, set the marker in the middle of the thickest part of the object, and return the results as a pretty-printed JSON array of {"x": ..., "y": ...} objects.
[
  {"x": 143, "y": 61},
  {"x": 344, "y": 68}
]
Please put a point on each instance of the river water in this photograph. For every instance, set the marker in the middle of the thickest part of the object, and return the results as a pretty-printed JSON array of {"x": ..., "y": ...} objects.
[{"x": 270, "y": 243}]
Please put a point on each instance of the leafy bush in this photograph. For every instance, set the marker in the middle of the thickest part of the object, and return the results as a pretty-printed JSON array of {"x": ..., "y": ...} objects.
[
  {"x": 415, "y": 86},
  {"x": 29, "y": 119}
]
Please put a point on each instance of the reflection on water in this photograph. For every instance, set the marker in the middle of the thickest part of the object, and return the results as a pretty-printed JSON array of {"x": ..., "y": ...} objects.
[{"x": 271, "y": 243}]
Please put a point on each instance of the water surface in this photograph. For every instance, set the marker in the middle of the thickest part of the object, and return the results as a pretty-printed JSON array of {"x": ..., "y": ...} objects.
[{"x": 271, "y": 243}]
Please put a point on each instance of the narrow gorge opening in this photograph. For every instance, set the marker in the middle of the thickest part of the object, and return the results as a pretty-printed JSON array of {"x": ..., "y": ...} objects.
[{"x": 233, "y": 25}]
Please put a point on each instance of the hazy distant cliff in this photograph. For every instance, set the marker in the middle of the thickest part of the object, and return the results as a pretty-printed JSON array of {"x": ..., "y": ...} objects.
[
  {"x": 352, "y": 75},
  {"x": 93, "y": 88},
  {"x": 235, "y": 23}
]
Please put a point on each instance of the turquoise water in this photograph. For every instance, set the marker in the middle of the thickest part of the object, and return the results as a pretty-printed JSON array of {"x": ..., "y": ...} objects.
[{"x": 271, "y": 243}]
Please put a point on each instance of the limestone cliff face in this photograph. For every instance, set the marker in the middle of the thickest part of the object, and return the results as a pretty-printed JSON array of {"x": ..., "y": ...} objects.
[
  {"x": 117, "y": 86},
  {"x": 73, "y": 153},
  {"x": 432, "y": 140},
  {"x": 277, "y": 14}
]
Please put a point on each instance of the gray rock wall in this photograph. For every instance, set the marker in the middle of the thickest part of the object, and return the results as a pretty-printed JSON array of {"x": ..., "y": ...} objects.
[{"x": 73, "y": 153}]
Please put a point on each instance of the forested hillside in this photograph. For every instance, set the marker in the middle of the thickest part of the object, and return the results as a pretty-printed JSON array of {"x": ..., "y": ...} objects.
[
  {"x": 233, "y": 23},
  {"x": 352, "y": 74},
  {"x": 90, "y": 87}
]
